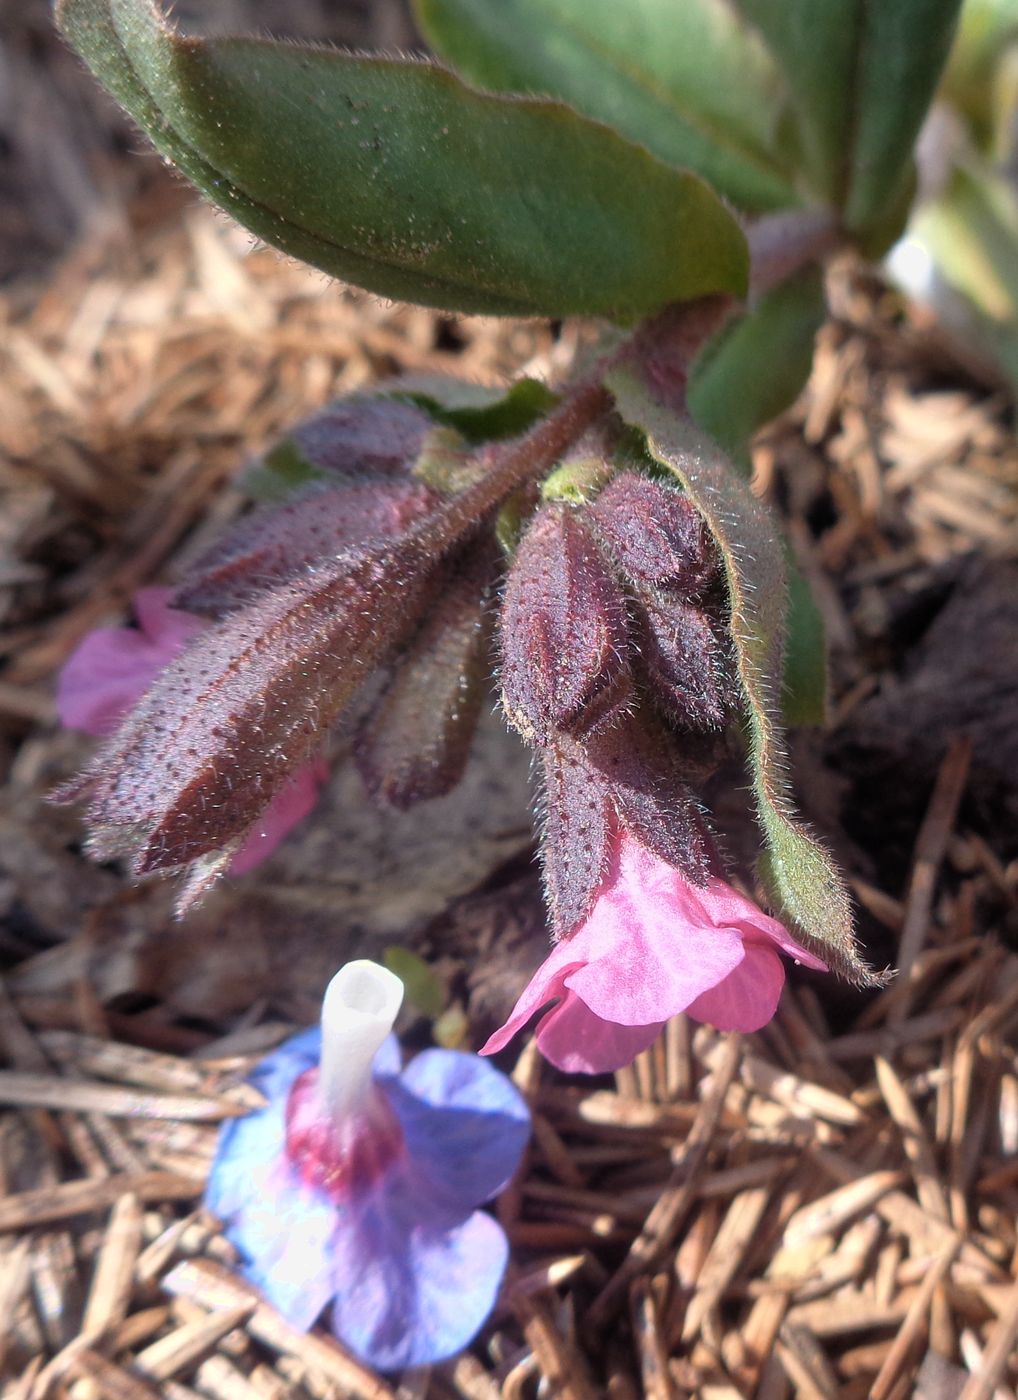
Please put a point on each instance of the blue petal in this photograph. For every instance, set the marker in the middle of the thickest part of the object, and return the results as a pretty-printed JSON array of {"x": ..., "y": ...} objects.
[
  {"x": 389, "y": 1059},
  {"x": 282, "y": 1229},
  {"x": 465, "y": 1125},
  {"x": 407, "y": 1295}
]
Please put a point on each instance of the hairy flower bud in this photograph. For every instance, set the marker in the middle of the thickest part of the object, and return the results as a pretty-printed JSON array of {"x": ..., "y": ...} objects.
[
  {"x": 655, "y": 534},
  {"x": 283, "y": 542},
  {"x": 414, "y": 744},
  {"x": 360, "y": 437},
  {"x": 227, "y": 723},
  {"x": 684, "y": 660},
  {"x": 562, "y": 631}
]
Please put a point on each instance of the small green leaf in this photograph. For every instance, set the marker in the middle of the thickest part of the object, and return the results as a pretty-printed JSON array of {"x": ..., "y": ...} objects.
[
  {"x": 278, "y": 474},
  {"x": 394, "y": 175},
  {"x": 689, "y": 80},
  {"x": 424, "y": 989},
  {"x": 756, "y": 365},
  {"x": 477, "y": 412},
  {"x": 801, "y": 875},
  {"x": 804, "y": 679}
]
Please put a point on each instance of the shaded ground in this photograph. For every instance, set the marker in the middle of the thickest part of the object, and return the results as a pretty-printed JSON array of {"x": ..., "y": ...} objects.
[{"x": 826, "y": 1209}]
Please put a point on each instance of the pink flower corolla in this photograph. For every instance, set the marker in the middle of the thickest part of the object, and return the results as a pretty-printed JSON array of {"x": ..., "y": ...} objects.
[
  {"x": 356, "y": 1188},
  {"x": 112, "y": 667},
  {"x": 653, "y": 944}
]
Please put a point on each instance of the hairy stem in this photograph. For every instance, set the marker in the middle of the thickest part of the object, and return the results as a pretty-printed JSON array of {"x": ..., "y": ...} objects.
[{"x": 782, "y": 244}]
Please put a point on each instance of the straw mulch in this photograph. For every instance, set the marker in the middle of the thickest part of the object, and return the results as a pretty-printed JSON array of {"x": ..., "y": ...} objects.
[{"x": 826, "y": 1209}]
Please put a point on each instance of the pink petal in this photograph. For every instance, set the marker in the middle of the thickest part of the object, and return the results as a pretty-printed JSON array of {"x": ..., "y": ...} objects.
[
  {"x": 578, "y": 1042},
  {"x": 649, "y": 947},
  {"x": 112, "y": 667},
  {"x": 748, "y": 997},
  {"x": 289, "y": 807},
  {"x": 546, "y": 985}
]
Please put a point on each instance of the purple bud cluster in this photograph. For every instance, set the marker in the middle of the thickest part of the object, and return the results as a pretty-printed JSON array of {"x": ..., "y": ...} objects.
[
  {"x": 611, "y": 643},
  {"x": 614, "y": 656}
]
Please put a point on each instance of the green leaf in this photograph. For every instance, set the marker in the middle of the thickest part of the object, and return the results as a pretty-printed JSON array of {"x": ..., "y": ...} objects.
[
  {"x": 394, "y": 175},
  {"x": 276, "y": 476},
  {"x": 478, "y": 412},
  {"x": 861, "y": 74},
  {"x": 801, "y": 875},
  {"x": 424, "y": 988},
  {"x": 756, "y": 365},
  {"x": 972, "y": 232},
  {"x": 804, "y": 679},
  {"x": 690, "y": 80},
  {"x": 982, "y": 72},
  {"x": 752, "y": 370},
  {"x": 900, "y": 56}
]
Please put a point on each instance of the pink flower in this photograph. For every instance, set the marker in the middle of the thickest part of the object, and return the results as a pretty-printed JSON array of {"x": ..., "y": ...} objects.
[
  {"x": 653, "y": 945},
  {"x": 112, "y": 667}
]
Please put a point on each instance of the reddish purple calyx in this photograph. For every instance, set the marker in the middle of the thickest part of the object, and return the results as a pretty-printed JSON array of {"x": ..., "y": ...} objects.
[{"x": 346, "y": 1159}]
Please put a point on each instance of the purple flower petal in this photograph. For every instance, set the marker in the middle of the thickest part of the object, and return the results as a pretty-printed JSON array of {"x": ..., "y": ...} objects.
[
  {"x": 409, "y": 1295},
  {"x": 282, "y": 1229},
  {"x": 465, "y": 1126}
]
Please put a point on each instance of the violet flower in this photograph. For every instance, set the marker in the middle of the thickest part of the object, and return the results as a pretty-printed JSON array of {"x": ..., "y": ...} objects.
[
  {"x": 356, "y": 1187},
  {"x": 653, "y": 944},
  {"x": 112, "y": 667}
]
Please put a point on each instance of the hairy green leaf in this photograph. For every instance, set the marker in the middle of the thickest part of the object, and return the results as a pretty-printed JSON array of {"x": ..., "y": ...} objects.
[
  {"x": 394, "y": 175},
  {"x": 689, "y": 80},
  {"x": 861, "y": 75},
  {"x": 752, "y": 370},
  {"x": 756, "y": 365},
  {"x": 478, "y": 412},
  {"x": 801, "y": 875}
]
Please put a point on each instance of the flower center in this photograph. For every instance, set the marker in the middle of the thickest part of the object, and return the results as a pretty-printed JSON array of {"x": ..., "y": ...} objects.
[
  {"x": 341, "y": 1133},
  {"x": 345, "y": 1159}
]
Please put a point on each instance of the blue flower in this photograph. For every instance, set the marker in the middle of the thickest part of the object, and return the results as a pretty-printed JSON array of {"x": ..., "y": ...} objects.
[{"x": 357, "y": 1186}]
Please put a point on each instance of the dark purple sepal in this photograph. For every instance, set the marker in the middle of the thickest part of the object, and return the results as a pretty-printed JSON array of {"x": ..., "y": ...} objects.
[
  {"x": 562, "y": 631},
  {"x": 655, "y": 534},
  {"x": 640, "y": 766},
  {"x": 279, "y": 543},
  {"x": 415, "y": 742},
  {"x": 575, "y": 833},
  {"x": 228, "y": 722},
  {"x": 684, "y": 660}
]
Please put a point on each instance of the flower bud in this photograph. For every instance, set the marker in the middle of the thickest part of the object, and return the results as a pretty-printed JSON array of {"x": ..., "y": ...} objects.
[
  {"x": 228, "y": 722},
  {"x": 414, "y": 744},
  {"x": 684, "y": 661},
  {"x": 283, "y": 542},
  {"x": 360, "y": 437},
  {"x": 655, "y": 534},
  {"x": 562, "y": 631}
]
